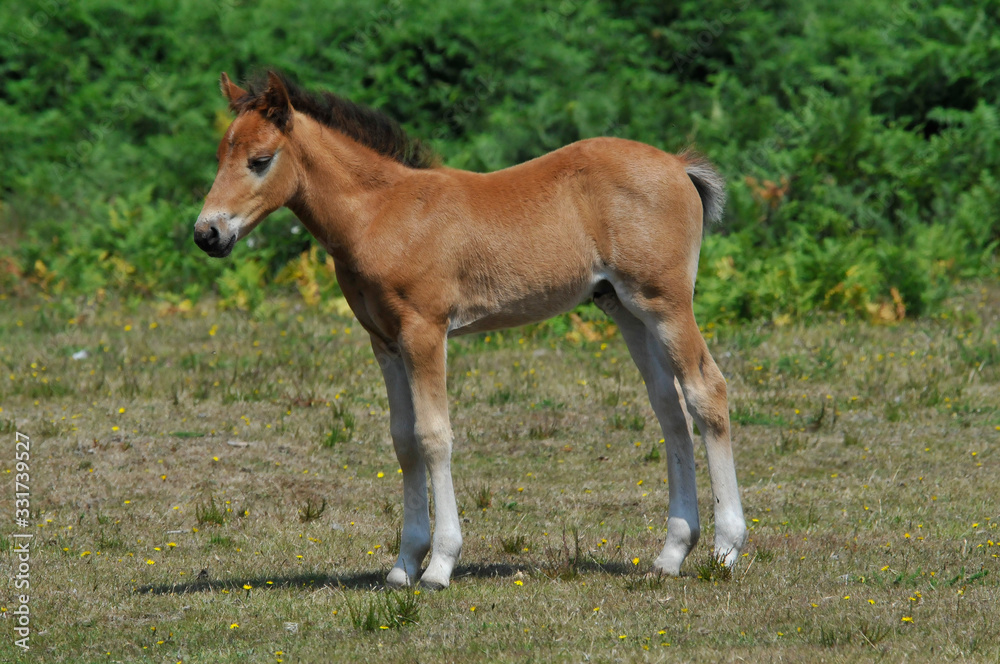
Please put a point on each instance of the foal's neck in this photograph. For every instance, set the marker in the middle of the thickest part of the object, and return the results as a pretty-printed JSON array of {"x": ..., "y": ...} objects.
[{"x": 343, "y": 186}]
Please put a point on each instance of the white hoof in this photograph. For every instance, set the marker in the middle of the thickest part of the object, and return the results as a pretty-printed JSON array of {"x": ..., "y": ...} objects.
[
  {"x": 730, "y": 539},
  {"x": 668, "y": 564},
  {"x": 431, "y": 583},
  {"x": 438, "y": 572},
  {"x": 398, "y": 578},
  {"x": 727, "y": 556}
]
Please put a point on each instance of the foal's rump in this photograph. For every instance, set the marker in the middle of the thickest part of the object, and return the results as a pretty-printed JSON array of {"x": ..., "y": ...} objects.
[{"x": 653, "y": 216}]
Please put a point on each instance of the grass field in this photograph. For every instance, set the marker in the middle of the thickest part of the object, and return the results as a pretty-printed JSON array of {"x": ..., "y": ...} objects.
[{"x": 210, "y": 486}]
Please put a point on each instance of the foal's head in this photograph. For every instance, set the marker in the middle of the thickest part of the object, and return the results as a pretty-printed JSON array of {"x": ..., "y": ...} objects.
[
  {"x": 258, "y": 171},
  {"x": 263, "y": 162}
]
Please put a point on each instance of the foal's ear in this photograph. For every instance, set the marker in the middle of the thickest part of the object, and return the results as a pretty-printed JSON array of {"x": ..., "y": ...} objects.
[
  {"x": 279, "y": 105},
  {"x": 230, "y": 90}
]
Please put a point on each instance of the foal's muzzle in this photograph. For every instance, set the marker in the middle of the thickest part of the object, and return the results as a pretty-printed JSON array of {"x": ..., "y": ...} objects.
[{"x": 214, "y": 237}]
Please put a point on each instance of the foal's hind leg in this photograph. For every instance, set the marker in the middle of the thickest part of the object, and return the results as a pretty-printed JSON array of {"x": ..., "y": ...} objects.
[
  {"x": 682, "y": 520},
  {"x": 681, "y": 345}
]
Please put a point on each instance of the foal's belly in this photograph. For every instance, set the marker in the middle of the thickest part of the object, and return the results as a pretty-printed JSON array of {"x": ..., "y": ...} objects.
[{"x": 485, "y": 314}]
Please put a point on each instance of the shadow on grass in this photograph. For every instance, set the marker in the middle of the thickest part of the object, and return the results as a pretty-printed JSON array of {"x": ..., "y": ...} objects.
[{"x": 363, "y": 581}]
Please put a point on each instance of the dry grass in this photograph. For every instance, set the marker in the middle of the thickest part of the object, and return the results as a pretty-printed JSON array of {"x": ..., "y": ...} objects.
[{"x": 867, "y": 457}]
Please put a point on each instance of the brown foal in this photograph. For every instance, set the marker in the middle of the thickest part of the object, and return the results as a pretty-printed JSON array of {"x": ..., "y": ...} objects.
[{"x": 424, "y": 252}]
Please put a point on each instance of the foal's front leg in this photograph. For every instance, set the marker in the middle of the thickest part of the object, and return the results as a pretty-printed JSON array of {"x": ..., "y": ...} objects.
[
  {"x": 423, "y": 348},
  {"x": 415, "y": 539}
]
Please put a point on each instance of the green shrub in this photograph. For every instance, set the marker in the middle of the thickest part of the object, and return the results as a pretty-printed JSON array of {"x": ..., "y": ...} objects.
[{"x": 861, "y": 139}]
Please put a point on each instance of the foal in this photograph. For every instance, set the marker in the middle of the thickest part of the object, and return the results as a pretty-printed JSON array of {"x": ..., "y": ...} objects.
[{"x": 424, "y": 252}]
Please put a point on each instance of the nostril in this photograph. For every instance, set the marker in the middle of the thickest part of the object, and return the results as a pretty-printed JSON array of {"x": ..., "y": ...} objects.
[
  {"x": 206, "y": 235},
  {"x": 211, "y": 234}
]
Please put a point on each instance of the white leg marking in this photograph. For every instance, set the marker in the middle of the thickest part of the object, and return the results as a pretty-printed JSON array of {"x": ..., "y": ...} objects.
[
  {"x": 682, "y": 521},
  {"x": 699, "y": 389},
  {"x": 415, "y": 539},
  {"x": 434, "y": 439},
  {"x": 435, "y": 444}
]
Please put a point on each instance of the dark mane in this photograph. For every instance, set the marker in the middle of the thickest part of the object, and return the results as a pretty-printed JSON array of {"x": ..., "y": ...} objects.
[{"x": 365, "y": 125}]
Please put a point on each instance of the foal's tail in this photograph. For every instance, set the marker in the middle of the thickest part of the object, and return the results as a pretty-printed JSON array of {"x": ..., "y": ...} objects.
[{"x": 710, "y": 185}]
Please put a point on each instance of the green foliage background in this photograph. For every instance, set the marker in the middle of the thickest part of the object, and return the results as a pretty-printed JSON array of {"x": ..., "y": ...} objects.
[{"x": 861, "y": 138}]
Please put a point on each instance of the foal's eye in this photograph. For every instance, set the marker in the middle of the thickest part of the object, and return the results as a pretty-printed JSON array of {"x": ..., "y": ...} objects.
[{"x": 259, "y": 164}]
